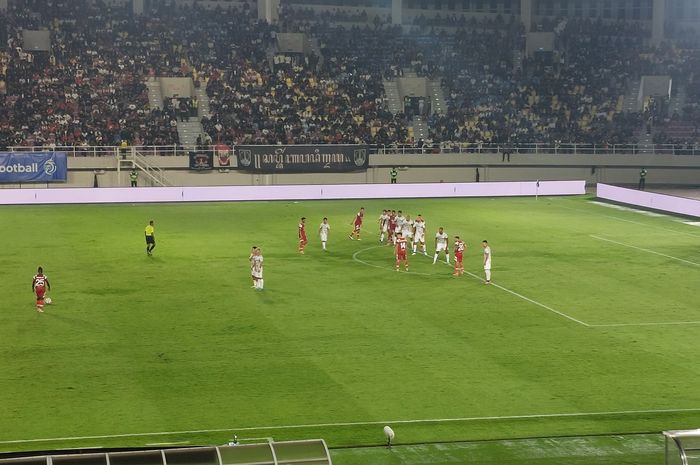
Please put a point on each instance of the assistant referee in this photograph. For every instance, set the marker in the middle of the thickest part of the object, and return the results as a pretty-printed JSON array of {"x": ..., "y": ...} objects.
[{"x": 150, "y": 238}]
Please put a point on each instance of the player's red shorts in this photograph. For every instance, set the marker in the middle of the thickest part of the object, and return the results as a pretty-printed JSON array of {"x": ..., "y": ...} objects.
[
  {"x": 401, "y": 255},
  {"x": 40, "y": 291},
  {"x": 458, "y": 256},
  {"x": 302, "y": 238}
]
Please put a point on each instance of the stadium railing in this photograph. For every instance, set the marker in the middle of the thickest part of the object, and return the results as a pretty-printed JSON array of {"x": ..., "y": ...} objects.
[
  {"x": 403, "y": 149},
  {"x": 304, "y": 452}
]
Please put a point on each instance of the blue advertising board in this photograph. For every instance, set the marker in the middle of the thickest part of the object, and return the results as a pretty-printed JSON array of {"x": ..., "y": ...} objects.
[{"x": 19, "y": 167}]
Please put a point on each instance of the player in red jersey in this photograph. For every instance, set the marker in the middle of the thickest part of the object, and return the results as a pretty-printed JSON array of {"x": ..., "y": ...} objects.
[
  {"x": 40, "y": 284},
  {"x": 401, "y": 249},
  {"x": 357, "y": 224},
  {"x": 460, "y": 247},
  {"x": 392, "y": 227},
  {"x": 302, "y": 235}
]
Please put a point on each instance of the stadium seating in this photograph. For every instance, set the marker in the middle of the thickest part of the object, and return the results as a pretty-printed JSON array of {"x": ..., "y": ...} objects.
[{"x": 90, "y": 89}]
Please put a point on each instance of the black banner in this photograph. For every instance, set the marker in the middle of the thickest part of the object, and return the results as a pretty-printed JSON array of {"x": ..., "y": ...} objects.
[
  {"x": 201, "y": 161},
  {"x": 302, "y": 158}
]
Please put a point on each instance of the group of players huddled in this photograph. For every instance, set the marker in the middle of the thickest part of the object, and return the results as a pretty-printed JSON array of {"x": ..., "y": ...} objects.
[{"x": 403, "y": 233}]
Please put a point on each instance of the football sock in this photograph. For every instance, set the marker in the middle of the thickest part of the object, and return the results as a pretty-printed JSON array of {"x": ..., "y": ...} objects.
[
  {"x": 488, "y": 275},
  {"x": 262, "y": 283},
  {"x": 447, "y": 258},
  {"x": 381, "y": 238},
  {"x": 435, "y": 259}
]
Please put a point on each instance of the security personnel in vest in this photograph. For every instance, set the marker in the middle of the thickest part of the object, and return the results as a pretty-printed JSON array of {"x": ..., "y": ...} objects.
[
  {"x": 642, "y": 179},
  {"x": 124, "y": 148},
  {"x": 134, "y": 177},
  {"x": 393, "y": 173},
  {"x": 194, "y": 107}
]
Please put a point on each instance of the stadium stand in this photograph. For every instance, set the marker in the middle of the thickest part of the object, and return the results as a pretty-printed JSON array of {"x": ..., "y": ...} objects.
[{"x": 90, "y": 89}]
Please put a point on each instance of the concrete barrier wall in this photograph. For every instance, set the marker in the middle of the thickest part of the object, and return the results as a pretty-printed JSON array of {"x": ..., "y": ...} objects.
[
  {"x": 304, "y": 192},
  {"x": 416, "y": 168},
  {"x": 667, "y": 203}
]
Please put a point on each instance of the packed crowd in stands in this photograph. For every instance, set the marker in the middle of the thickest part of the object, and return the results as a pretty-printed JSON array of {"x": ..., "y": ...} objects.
[{"x": 90, "y": 88}]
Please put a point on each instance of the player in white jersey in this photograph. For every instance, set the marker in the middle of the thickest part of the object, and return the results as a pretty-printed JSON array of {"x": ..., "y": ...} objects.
[
  {"x": 383, "y": 225},
  {"x": 323, "y": 231},
  {"x": 400, "y": 220},
  {"x": 256, "y": 269},
  {"x": 419, "y": 234},
  {"x": 441, "y": 244},
  {"x": 487, "y": 261},
  {"x": 250, "y": 259},
  {"x": 407, "y": 229}
]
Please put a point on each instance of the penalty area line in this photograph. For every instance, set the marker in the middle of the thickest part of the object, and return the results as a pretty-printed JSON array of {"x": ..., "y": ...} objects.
[
  {"x": 369, "y": 423},
  {"x": 645, "y": 250},
  {"x": 527, "y": 299}
]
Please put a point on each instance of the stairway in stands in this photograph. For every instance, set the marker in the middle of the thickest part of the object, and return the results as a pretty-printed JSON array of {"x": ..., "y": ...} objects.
[
  {"x": 631, "y": 104},
  {"x": 437, "y": 98},
  {"x": 393, "y": 99},
  {"x": 203, "y": 98},
  {"x": 188, "y": 131},
  {"x": 420, "y": 128},
  {"x": 155, "y": 96},
  {"x": 677, "y": 101}
]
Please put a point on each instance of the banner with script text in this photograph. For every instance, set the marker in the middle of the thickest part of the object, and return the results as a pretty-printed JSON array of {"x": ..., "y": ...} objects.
[
  {"x": 302, "y": 158},
  {"x": 19, "y": 167}
]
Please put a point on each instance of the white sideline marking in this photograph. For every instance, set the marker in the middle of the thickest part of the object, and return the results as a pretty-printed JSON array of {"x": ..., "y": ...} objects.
[
  {"x": 613, "y": 325},
  {"x": 617, "y": 218},
  {"x": 692, "y": 223},
  {"x": 168, "y": 443},
  {"x": 628, "y": 209},
  {"x": 539, "y": 304},
  {"x": 645, "y": 250},
  {"x": 366, "y": 423}
]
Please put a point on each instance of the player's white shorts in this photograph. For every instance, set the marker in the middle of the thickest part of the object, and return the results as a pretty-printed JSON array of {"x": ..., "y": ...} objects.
[
  {"x": 407, "y": 234},
  {"x": 324, "y": 237},
  {"x": 420, "y": 237},
  {"x": 487, "y": 266},
  {"x": 440, "y": 247},
  {"x": 257, "y": 274},
  {"x": 385, "y": 228}
]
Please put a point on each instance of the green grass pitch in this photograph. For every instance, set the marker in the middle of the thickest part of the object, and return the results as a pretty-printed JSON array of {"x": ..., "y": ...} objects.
[{"x": 591, "y": 327}]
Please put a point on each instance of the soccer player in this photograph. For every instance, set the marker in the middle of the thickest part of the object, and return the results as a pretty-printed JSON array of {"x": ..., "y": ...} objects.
[
  {"x": 487, "y": 261},
  {"x": 407, "y": 229},
  {"x": 150, "y": 238},
  {"x": 441, "y": 244},
  {"x": 256, "y": 270},
  {"x": 383, "y": 225},
  {"x": 460, "y": 247},
  {"x": 419, "y": 234},
  {"x": 392, "y": 226},
  {"x": 250, "y": 259},
  {"x": 357, "y": 224},
  {"x": 401, "y": 249},
  {"x": 400, "y": 220},
  {"x": 302, "y": 235},
  {"x": 40, "y": 284},
  {"x": 323, "y": 231}
]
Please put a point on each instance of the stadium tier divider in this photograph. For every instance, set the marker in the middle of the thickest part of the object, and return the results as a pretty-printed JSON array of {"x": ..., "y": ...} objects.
[{"x": 304, "y": 452}]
